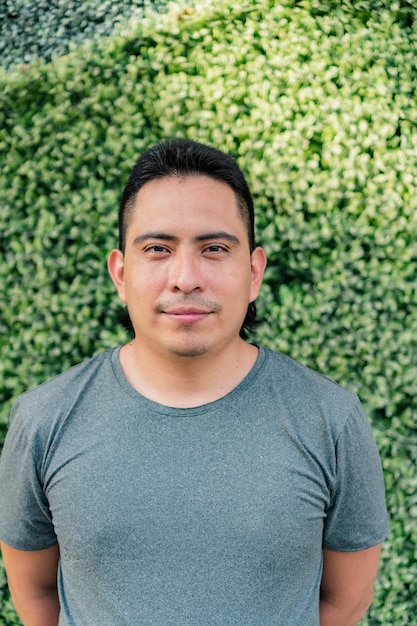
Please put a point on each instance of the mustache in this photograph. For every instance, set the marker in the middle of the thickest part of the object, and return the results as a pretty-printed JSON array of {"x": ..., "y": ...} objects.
[{"x": 187, "y": 301}]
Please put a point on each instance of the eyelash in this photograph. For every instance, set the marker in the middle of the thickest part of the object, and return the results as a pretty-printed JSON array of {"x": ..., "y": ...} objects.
[
  {"x": 218, "y": 248},
  {"x": 156, "y": 248}
]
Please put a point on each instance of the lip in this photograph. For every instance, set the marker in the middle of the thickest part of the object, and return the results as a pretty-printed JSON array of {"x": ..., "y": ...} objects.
[{"x": 186, "y": 315}]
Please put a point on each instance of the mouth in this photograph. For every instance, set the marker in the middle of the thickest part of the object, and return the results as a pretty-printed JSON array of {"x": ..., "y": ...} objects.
[{"x": 187, "y": 315}]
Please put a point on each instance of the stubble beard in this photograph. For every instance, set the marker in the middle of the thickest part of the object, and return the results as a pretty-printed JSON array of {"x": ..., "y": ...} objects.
[{"x": 190, "y": 347}]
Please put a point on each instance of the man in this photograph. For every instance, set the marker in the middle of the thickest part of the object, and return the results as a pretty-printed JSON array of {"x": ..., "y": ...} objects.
[{"x": 190, "y": 477}]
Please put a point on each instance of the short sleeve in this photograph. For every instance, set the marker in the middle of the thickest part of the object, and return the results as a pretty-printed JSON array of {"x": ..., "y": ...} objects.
[
  {"x": 357, "y": 517},
  {"x": 25, "y": 519}
]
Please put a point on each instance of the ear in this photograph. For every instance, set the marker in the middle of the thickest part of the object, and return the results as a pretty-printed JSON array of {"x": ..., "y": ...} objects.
[
  {"x": 258, "y": 264},
  {"x": 116, "y": 267}
]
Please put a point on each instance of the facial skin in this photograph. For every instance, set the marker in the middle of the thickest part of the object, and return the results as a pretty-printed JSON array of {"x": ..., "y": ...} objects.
[{"x": 187, "y": 275}]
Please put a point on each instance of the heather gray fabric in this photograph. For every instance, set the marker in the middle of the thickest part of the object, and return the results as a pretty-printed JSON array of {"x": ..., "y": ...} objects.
[{"x": 214, "y": 515}]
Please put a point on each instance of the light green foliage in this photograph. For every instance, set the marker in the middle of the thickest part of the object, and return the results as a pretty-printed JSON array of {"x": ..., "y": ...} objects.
[{"x": 317, "y": 100}]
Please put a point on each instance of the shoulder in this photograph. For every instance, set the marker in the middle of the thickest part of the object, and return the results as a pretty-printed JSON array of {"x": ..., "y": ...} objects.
[
  {"x": 73, "y": 377},
  {"x": 302, "y": 378},
  {"x": 308, "y": 396},
  {"x": 60, "y": 392}
]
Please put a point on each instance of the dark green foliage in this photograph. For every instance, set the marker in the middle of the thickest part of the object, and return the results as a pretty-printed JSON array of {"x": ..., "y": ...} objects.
[
  {"x": 317, "y": 100},
  {"x": 48, "y": 28},
  {"x": 401, "y": 11}
]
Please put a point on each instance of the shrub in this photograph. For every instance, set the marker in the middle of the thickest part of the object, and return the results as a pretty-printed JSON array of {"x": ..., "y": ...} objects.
[{"x": 317, "y": 102}]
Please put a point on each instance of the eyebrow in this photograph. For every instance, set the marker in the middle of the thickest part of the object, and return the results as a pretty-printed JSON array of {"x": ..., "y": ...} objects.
[{"x": 218, "y": 234}]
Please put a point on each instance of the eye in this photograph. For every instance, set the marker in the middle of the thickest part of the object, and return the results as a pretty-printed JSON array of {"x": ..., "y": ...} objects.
[
  {"x": 156, "y": 249},
  {"x": 215, "y": 248}
]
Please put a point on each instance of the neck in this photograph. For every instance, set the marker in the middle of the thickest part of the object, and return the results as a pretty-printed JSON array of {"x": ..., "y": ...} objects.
[{"x": 184, "y": 382}]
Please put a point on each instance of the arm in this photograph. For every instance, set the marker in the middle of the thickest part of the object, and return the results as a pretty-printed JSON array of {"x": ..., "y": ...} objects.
[
  {"x": 32, "y": 578},
  {"x": 347, "y": 585}
]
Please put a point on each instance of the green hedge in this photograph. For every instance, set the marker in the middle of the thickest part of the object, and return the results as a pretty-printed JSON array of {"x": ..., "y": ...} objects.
[{"x": 317, "y": 100}]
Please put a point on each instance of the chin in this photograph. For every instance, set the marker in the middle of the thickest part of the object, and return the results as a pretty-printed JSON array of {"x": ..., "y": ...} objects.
[{"x": 190, "y": 351}]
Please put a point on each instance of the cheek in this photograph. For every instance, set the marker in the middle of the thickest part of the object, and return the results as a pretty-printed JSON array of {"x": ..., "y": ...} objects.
[
  {"x": 232, "y": 279},
  {"x": 142, "y": 282}
]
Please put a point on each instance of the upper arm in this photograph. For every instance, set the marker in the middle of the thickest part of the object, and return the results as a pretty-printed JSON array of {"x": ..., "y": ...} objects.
[
  {"x": 348, "y": 578},
  {"x": 30, "y": 573}
]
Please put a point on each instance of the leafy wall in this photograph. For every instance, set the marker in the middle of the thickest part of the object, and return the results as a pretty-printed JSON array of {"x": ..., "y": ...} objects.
[
  {"x": 48, "y": 28},
  {"x": 317, "y": 100}
]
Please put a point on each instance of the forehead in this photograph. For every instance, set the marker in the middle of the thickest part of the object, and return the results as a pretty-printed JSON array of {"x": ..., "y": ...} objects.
[{"x": 179, "y": 195}]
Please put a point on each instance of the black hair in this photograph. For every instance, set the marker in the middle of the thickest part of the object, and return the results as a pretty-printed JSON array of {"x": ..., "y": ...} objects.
[{"x": 184, "y": 157}]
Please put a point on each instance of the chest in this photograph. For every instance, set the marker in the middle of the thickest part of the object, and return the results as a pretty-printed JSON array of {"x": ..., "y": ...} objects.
[{"x": 185, "y": 486}]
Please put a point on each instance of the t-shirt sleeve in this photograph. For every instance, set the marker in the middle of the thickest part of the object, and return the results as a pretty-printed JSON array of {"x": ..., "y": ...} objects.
[
  {"x": 25, "y": 518},
  {"x": 357, "y": 517}
]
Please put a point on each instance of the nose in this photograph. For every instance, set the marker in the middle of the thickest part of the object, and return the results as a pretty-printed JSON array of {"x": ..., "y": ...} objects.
[{"x": 185, "y": 271}]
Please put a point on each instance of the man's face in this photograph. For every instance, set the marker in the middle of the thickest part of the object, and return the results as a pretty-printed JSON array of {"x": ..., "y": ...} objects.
[{"x": 187, "y": 275}]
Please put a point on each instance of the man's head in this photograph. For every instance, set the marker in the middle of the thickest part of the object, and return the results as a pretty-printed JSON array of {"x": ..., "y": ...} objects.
[{"x": 182, "y": 159}]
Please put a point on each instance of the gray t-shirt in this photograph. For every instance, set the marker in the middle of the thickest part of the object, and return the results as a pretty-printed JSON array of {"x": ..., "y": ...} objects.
[{"x": 213, "y": 515}]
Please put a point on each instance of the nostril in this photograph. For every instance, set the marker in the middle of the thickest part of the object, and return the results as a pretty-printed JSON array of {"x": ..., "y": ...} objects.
[{"x": 186, "y": 289}]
